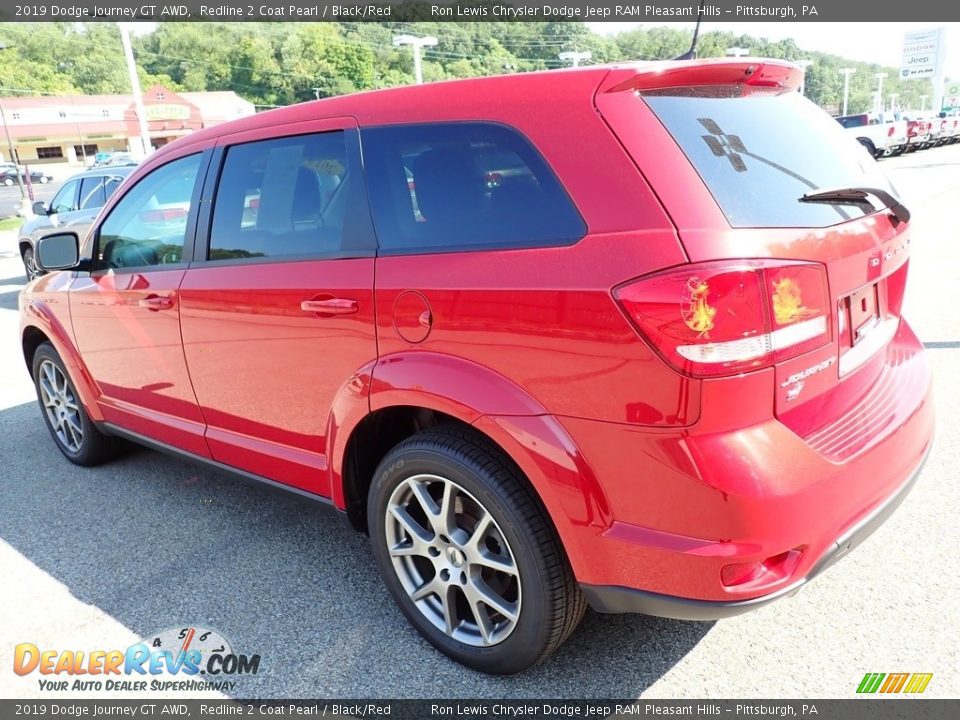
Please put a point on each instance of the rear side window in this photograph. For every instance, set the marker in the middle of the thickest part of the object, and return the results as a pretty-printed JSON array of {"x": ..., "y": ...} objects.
[
  {"x": 463, "y": 186},
  {"x": 759, "y": 153},
  {"x": 92, "y": 192},
  {"x": 283, "y": 197}
]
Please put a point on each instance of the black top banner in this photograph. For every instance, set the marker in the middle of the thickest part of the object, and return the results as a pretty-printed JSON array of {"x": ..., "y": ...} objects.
[{"x": 714, "y": 11}]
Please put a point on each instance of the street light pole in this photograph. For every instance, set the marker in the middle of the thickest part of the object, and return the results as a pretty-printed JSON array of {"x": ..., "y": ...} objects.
[
  {"x": 804, "y": 64},
  {"x": 135, "y": 87},
  {"x": 878, "y": 105},
  {"x": 417, "y": 43},
  {"x": 846, "y": 72},
  {"x": 25, "y": 209},
  {"x": 575, "y": 57}
]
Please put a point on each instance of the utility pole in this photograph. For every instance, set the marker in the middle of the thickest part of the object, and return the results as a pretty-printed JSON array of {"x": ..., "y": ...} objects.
[
  {"x": 846, "y": 72},
  {"x": 25, "y": 209},
  {"x": 893, "y": 101},
  {"x": 804, "y": 64},
  {"x": 923, "y": 102},
  {"x": 878, "y": 105},
  {"x": 135, "y": 87},
  {"x": 417, "y": 43},
  {"x": 575, "y": 57}
]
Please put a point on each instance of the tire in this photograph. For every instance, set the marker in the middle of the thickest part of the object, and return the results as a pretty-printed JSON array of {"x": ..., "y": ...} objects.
[
  {"x": 8, "y": 182},
  {"x": 73, "y": 432},
  {"x": 871, "y": 148},
  {"x": 30, "y": 264},
  {"x": 533, "y": 586},
  {"x": 44, "y": 179}
]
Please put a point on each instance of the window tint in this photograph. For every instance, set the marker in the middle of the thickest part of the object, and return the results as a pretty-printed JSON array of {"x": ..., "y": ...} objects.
[
  {"x": 149, "y": 224},
  {"x": 283, "y": 197},
  {"x": 66, "y": 198},
  {"x": 92, "y": 195},
  {"x": 462, "y": 186},
  {"x": 759, "y": 153}
]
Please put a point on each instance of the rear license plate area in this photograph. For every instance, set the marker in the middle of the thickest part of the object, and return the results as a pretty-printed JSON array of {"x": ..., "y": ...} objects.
[{"x": 863, "y": 313}]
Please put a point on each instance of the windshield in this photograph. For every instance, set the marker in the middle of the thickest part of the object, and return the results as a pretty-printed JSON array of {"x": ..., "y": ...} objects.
[{"x": 759, "y": 153}]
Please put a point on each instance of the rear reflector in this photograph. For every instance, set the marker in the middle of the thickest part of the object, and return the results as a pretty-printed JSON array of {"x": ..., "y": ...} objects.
[
  {"x": 759, "y": 573},
  {"x": 724, "y": 318}
]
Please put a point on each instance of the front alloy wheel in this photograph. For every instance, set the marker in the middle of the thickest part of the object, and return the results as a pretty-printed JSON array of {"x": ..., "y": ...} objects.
[
  {"x": 60, "y": 404},
  {"x": 468, "y": 553},
  {"x": 453, "y": 560},
  {"x": 30, "y": 264},
  {"x": 75, "y": 434}
]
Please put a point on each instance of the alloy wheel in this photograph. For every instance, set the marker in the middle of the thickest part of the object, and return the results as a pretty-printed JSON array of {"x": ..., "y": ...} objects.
[
  {"x": 30, "y": 262},
  {"x": 61, "y": 406},
  {"x": 453, "y": 560}
]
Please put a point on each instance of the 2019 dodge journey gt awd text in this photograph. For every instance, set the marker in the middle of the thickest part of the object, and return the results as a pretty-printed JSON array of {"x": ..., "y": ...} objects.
[{"x": 626, "y": 337}]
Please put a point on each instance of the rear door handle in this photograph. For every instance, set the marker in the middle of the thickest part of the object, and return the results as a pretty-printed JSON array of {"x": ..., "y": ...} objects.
[
  {"x": 156, "y": 302},
  {"x": 330, "y": 306}
]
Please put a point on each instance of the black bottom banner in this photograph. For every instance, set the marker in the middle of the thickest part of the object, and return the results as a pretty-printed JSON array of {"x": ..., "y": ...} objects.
[{"x": 853, "y": 709}]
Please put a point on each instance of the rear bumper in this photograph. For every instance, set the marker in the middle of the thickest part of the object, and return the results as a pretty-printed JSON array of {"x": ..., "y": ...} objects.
[
  {"x": 740, "y": 509},
  {"x": 618, "y": 599}
]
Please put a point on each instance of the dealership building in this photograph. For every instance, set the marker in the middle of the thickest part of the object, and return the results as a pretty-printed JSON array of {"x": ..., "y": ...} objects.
[{"x": 74, "y": 128}]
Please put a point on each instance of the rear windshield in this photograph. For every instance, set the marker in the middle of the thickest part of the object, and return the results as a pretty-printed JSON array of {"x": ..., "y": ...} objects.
[{"x": 759, "y": 153}]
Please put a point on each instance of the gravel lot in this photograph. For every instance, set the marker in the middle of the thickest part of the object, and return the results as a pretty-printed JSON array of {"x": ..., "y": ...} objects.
[{"x": 99, "y": 558}]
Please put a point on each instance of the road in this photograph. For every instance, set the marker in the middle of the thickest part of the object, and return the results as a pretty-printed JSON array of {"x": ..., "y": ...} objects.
[
  {"x": 98, "y": 558},
  {"x": 10, "y": 196}
]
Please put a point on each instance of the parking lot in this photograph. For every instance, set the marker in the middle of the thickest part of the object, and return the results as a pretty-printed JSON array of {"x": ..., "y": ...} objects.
[
  {"x": 10, "y": 196},
  {"x": 98, "y": 558}
]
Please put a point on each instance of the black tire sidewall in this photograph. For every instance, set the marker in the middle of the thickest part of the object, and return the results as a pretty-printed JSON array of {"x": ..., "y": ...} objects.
[
  {"x": 524, "y": 646},
  {"x": 85, "y": 454}
]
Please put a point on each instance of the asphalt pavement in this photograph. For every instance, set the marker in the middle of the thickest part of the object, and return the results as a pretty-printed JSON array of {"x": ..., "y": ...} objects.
[
  {"x": 99, "y": 558},
  {"x": 10, "y": 198}
]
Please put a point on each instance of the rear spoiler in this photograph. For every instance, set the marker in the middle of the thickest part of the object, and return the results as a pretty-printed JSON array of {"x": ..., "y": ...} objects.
[{"x": 720, "y": 71}]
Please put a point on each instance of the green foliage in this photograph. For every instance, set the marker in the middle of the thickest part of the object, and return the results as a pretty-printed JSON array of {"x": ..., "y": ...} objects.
[{"x": 283, "y": 63}]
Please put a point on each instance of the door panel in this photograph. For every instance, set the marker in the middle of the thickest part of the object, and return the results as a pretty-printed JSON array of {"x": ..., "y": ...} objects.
[
  {"x": 265, "y": 371},
  {"x": 277, "y": 309},
  {"x": 126, "y": 312},
  {"x": 135, "y": 355}
]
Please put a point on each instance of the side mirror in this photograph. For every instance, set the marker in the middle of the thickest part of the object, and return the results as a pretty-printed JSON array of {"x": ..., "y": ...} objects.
[
  {"x": 39, "y": 208},
  {"x": 58, "y": 252}
]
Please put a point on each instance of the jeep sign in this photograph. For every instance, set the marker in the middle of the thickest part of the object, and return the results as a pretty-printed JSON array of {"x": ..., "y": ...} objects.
[{"x": 922, "y": 53}]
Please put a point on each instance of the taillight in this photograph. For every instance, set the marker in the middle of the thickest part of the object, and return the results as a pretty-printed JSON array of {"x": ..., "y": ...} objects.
[
  {"x": 723, "y": 318},
  {"x": 890, "y": 131}
]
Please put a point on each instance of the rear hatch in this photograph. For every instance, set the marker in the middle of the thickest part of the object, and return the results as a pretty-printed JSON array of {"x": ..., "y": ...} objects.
[{"x": 785, "y": 275}]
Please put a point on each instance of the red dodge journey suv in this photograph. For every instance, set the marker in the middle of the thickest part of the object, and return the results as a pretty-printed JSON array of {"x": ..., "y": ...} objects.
[{"x": 626, "y": 337}]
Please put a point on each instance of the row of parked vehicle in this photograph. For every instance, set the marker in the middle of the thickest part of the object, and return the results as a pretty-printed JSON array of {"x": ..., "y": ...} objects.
[{"x": 894, "y": 133}]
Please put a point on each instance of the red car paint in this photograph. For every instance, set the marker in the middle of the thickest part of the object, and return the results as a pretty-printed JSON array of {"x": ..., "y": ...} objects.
[{"x": 655, "y": 479}]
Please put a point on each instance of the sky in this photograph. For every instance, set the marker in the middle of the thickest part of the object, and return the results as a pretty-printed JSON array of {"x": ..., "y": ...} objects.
[{"x": 875, "y": 42}]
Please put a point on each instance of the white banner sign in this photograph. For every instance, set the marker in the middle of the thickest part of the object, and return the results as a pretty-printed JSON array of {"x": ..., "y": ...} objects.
[{"x": 922, "y": 53}]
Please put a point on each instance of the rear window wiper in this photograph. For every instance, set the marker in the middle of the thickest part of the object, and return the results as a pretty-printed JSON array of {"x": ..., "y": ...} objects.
[{"x": 858, "y": 196}]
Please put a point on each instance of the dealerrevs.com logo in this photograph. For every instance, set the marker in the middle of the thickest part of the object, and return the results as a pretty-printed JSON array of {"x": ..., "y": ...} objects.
[{"x": 196, "y": 658}]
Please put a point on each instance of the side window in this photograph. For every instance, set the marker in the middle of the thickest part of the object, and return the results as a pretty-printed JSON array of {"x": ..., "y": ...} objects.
[
  {"x": 92, "y": 195},
  {"x": 110, "y": 185},
  {"x": 282, "y": 197},
  {"x": 463, "y": 186},
  {"x": 149, "y": 224},
  {"x": 66, "y": 199}
]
